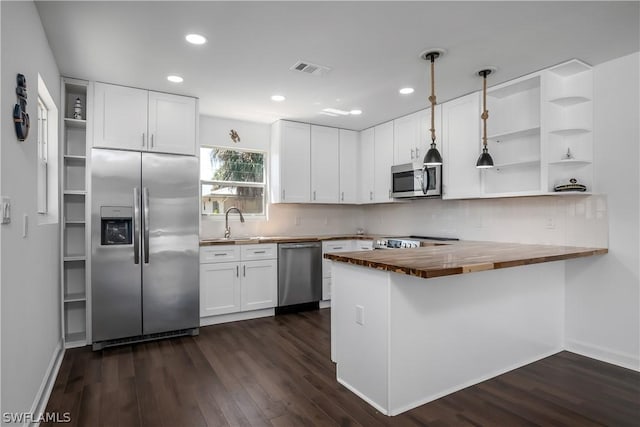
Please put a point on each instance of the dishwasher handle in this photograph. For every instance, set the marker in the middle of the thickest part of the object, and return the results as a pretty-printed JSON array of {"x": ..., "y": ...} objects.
[{"x": 300, "y": 245}]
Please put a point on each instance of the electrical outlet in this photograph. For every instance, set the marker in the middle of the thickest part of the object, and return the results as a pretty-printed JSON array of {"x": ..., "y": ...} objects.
[
  {"x": 550, "y": 223},
  {"x": 359, "y": 315}
]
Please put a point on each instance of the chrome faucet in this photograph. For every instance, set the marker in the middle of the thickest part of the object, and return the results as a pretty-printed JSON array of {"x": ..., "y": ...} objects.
[{"x": 227, "y": 229}]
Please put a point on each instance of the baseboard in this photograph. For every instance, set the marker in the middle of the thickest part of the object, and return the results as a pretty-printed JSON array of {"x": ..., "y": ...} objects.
[
  {"x": 604, "y": 354},
  {"x": 362, "y": 396},
  {"x": 325, "y": 303},
  {"x": 44, "y": 392},
  {"x": 234, "y": 317}
]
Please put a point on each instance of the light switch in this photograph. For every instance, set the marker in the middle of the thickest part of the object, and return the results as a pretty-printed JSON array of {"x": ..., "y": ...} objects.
[
  {"x": 5, "y": 210},
  {"x": 359, "y": 315}
]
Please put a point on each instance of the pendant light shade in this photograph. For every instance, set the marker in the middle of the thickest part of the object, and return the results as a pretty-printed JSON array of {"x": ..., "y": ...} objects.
[
  {"x": 484, "y": 161},
  {"x": 433, "y": 157}
]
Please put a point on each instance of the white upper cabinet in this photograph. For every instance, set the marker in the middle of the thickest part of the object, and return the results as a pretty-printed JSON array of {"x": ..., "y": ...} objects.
[
  {"x": 120, "y": 117},
  {"x": 325, "y": 165},
  {"x": 172, "y": 123},
  {"x": 290, "y": 162},
  {"x": 410, "y": 135},
  {"x": 348, "y": 166},
  {"x": 366, "y": 166},
  {"x": 383, "y": 160},
  {"x": 461, "y": 147},
  {"x": 136, "y": 119}
]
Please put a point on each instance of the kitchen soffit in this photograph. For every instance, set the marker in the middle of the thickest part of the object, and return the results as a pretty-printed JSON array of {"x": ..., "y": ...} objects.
[{"x": 371, "y": 47}]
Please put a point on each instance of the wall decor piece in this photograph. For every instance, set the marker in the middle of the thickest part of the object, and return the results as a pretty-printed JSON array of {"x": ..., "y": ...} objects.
[
  {"x": 77, "y": 109},
  {"x": 20, "y": 116},
  {"x": 234, "y": 136}
]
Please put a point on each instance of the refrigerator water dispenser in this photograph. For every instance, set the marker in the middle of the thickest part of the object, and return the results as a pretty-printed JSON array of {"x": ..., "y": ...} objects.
[{"x": 116, "y": 224}]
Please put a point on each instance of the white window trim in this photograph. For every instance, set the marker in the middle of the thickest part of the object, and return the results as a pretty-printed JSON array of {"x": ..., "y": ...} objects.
[
  {"x": 52, "y": 214},
  {"x": 247, "y": 216}
]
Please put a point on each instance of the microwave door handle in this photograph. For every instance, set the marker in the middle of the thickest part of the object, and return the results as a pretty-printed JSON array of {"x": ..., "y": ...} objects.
[{"x": 425, "y": 180}]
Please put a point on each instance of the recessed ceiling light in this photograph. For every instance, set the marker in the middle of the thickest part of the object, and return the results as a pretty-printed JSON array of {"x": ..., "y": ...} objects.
[
  {"x": 355, "y": 112},
  {"x": 175, "y": 79},
  {"x": 196, "y": 39},
  {"x": 278, "y": 98},
  {"x": 406, "y": 90},
  {"x": 336, "y": 111}
]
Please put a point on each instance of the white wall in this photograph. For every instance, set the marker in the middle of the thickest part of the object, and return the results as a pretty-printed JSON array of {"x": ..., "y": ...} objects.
[
  {"x": 603, "y": 294},
  {"x": 282, "y": 219},
  {"x": 30, "y": 265}
]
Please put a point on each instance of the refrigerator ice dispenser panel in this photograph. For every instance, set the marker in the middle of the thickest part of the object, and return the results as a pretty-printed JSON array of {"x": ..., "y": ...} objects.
[{"x": 116, "y": 224}]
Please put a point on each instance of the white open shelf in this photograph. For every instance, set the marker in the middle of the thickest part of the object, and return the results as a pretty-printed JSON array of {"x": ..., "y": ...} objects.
[
  {"x": 74, "y": 225},
  {"x": 525, "y": 163},
  {"x": 570, "y": 162},
  {"x": 514, "y": 135}
]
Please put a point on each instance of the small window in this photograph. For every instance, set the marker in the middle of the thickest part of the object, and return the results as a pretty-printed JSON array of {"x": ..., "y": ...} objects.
[
  {"x": 231, "y": 177},
  {"x": 43, "y": 149}
]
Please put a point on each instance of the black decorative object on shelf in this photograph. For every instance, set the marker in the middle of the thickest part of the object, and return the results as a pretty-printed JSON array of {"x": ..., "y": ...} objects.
[
  {"x": 20, "y": 116},
  {"x": 571, "y": 186}
]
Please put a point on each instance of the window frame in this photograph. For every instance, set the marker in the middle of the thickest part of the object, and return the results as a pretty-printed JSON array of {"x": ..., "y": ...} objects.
[
  {"x": 42, "y": 138},
  {"x": 263, "y": 185}
]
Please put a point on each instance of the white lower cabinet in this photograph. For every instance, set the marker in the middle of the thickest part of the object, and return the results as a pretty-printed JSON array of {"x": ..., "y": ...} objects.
[
  {"x": 246, "y": 280},
  {"x": 338, "y": 246},
  {"x": 259, "y": 284},
  {"x": 219, "y": 288}
]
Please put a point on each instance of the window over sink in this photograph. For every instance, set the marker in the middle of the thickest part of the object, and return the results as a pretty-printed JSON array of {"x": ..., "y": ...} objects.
[{"x": 230, "y": 177}]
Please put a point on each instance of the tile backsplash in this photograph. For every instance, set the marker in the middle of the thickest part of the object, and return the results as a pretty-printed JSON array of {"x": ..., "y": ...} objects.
[{"x": 561, "y": 220}]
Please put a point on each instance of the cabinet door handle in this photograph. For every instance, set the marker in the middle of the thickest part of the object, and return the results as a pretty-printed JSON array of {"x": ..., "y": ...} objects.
[
  {"x": 244, "y": 270},
  {"x": 259, "y": 252},
  {"x": 417, "y": 153},
  {"x": 220, "y": 254},
  {"x": 314, "y": 194},
  {"x": 342, "y": 196},
  {"x": 237, "y": 271},
  {"x": 370, "y": 195},
  {"x": 151, "y": 140},
  {"x": 335, "y": 248},
  {"x": 143, "y": 139},
  {"x": 412, "y": 154},
  {"x": 283, "y": 194}
]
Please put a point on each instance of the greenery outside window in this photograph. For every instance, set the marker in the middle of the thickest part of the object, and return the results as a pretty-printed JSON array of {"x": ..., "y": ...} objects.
[{"x": 230, "y": 177}]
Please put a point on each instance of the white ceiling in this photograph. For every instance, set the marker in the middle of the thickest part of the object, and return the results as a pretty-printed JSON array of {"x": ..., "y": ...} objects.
[{"x": 372, "y": 48}]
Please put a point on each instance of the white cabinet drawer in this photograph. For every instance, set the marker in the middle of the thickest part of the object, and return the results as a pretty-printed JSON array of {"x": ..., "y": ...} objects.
[
  {"x": 362, "y": 245},
  {"x": 226, "y": 253},
  {"x": 336, "y": 246},
  {"x": 259, "y": 251}
]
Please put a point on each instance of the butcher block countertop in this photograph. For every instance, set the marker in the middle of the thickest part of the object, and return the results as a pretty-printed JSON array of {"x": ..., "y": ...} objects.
[
  {"x": 283, "y": 239},
  {"x": 461, "y": 257}
]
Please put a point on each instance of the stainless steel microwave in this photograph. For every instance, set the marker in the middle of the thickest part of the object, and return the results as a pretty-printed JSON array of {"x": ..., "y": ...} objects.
[{"x": 416, "y": 180}]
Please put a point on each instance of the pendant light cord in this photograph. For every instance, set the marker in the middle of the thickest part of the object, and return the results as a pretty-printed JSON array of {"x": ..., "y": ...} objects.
[
  {"x": 485, "y": 113},
  {"x": 432, "y": 99}
]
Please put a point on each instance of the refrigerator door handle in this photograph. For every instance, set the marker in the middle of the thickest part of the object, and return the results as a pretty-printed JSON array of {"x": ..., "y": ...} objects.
[
  {"x": 136, "y": 225},
  {"x": 145, "y": 222}
]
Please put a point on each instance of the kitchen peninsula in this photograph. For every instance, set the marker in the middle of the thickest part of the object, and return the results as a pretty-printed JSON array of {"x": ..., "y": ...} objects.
[{"x": 409, "y": 326}]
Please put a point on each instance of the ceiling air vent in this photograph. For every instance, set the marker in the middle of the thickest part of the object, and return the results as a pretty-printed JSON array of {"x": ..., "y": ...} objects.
[{"x": 309, "y": 68}]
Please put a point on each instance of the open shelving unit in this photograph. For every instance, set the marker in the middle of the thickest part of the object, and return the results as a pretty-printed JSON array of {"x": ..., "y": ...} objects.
[
  {"x": 568, "y": 118},
  {"x": 74, "y": 230},
  {"x": 514, "y": 137}
]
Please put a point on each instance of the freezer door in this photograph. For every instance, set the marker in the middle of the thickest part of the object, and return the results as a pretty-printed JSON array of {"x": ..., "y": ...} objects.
[
  {"x": 170, "y": 261},
  {"x": 116, "y": 300}
]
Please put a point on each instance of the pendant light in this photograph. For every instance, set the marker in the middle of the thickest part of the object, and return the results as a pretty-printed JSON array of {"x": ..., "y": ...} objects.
[
  {"x": 484, "y": 161},
  {"x": 433, "y": 157}
]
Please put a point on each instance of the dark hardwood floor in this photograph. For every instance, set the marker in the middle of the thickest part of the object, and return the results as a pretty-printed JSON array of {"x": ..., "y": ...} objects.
[{"x": 277, "y": 372}]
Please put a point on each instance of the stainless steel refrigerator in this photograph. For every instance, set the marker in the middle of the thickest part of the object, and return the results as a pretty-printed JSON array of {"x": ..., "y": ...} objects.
[{"x": 144, "y": 245}]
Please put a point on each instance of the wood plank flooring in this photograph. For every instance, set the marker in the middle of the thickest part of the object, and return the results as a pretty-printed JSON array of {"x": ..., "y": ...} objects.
[{"x": 277, "y": 372}]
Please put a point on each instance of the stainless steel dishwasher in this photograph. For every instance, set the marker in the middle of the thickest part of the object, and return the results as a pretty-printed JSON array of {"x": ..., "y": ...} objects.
[{"x": 299, "y": 273}]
